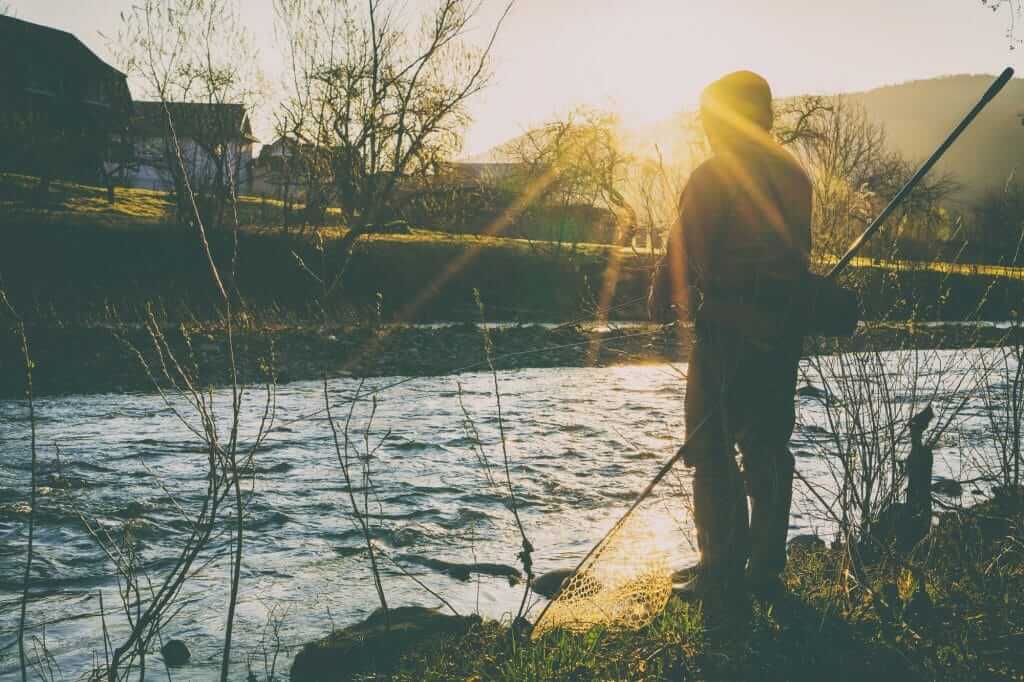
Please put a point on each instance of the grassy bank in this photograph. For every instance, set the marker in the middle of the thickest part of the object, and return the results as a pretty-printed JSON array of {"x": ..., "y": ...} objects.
[
  {"x": 81, "y": 256},
  {"x": 951, "y": 610}
]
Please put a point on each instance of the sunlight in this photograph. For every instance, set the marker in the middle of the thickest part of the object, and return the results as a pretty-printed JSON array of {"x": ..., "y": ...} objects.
[{"x": 254, "y": 426}]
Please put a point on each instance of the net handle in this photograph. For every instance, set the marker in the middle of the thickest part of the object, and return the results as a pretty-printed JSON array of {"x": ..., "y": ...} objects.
[{"x": 836, "y": 270}]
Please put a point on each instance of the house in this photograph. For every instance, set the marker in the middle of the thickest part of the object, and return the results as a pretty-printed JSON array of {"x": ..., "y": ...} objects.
[
  {"x": 215, "y": 141},
  {"x": 279, "y": 172},
  {"x": 63, "y": 110}
]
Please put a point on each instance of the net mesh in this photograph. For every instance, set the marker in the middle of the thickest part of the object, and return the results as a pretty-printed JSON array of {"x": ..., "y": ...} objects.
[{"x": 627, "y": 579}]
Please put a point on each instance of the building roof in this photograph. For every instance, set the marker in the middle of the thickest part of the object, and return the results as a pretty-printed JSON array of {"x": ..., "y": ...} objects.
[
  {"x": 196, "y": 120},
  {"x": 49, "y": 46}
]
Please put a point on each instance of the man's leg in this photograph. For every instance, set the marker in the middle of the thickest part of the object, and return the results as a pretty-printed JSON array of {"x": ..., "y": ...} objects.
[
  {"x": 719, "y": 502},
  {"x": 770, "y": 485},
  {"x": 768, "y": 465}
]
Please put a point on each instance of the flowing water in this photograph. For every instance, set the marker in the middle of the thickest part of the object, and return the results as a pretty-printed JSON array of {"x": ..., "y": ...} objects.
[{"x": 582, "y": 444}]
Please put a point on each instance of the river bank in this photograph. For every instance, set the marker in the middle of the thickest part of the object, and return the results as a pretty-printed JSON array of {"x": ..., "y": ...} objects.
[
  {"x": 72, "y": 359},
  {"x": 950, "y": 611}
]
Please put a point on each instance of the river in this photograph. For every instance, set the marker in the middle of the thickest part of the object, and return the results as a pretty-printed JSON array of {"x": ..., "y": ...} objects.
[{"x": 582, "y": 443}]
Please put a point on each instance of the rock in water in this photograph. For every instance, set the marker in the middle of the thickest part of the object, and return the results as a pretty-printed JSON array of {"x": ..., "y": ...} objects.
[
  {"x": 548, "y": 584},
  {"x": 464, "y": 571},
  {"x": 175, "y": 653},
  {"x": 377, "y": 644}
]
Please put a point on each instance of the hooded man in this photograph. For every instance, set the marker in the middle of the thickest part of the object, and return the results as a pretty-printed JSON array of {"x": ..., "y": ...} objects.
[{"x": 736, "y": 258}]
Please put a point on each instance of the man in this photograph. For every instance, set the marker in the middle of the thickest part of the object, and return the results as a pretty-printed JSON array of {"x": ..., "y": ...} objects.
[{"x": 736, "y": 258}]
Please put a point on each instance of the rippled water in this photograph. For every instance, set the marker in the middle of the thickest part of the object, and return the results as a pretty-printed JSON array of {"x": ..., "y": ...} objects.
[{"x": 583, "y": 443}]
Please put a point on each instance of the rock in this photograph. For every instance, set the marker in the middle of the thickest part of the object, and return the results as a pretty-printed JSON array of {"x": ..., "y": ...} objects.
[
  {"x": 392, "y": 227},
  {"x": 464, "y": 571},
  {"x": 175, "y": 653},
  {"x": 548, "y": 584},
  {"x": 134, "y": 509},
  {"x": 806, "y": 543},
  {"x": 684, "y": 575},
  {"x": 59, "y": 482},
  {"x": 947, "y": 487},
  {"x": 377, "y": 644}
]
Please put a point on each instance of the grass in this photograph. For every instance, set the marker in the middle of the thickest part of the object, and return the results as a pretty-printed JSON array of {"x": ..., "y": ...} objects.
[
  {"x": 87, "y": 205},
  {"x": 941, "y": 267},
  {"x": 71, "y": 202},
  {"x": 951, "y": 610},
  {"x": 81, "y": 256},
  {"x": 139, "y": 208}
]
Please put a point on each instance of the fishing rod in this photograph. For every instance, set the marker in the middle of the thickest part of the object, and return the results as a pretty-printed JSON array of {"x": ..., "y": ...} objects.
[
  {"x": 836, "y": 270},
  {"x": 876, "y": 224}
]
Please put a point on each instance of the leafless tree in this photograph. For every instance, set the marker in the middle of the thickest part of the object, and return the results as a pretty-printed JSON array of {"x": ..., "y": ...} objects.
[
  {"x": 187, "y": 393},
  {"x": 571, "y": 162},
  {"x": 998, "y": 225},
  {"x": 652, "y": 190},
  {"x": 853, "y": 170},
  {"x": 377, "y": 101},
  {"x": 198, "y": 52},
  {"x": 11, "y": 316}
]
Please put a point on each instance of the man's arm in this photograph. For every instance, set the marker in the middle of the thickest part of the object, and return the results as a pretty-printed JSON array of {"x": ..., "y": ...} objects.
[{"x": 686, "y": 266}]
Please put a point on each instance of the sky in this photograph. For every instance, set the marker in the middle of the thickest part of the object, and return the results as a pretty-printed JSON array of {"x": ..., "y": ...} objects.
[{"x": 648, "y": 59}]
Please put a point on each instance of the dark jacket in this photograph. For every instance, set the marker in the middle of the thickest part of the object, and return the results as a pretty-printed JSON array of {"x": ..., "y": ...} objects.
[{"x": 741, "y": 244}]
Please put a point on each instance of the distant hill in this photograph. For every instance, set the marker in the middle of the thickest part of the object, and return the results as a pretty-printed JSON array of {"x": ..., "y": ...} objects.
[{"x": 917, "y": 116}]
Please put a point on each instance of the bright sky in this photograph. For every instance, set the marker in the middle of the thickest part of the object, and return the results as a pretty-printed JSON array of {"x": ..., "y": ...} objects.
[{"x": 650, "y": 58}]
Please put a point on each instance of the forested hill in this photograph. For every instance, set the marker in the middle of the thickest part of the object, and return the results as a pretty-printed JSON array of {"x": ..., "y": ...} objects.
[{"x": 919, "y": 114}]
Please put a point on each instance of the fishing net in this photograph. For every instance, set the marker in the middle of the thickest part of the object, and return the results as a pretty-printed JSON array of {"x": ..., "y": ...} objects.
[{"x": 627, "y": 578}]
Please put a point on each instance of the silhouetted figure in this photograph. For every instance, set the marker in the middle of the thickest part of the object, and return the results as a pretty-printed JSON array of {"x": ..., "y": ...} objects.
[
  {"x": 735, "y": 262},
  {"x": 906, "y": 523},
  {"x": 919, "y": 479}
]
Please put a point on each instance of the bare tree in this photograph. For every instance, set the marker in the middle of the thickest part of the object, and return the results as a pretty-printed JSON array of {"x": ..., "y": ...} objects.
[
  {"x": 377, "y": 102},
  {"x": 197, "y": 52},
  {"x": 853, "y": 171},
  {"x": 652, "y": 190},
  {"x": 18, "y": 328},
  {"x": 576, "y": 161},
  {"x": 998, "y": 225}
]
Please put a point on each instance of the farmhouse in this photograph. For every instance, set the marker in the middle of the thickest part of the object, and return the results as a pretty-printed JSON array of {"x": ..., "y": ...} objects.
[
  {"x": 280, "y": 170},
  {"x": 63, "y": 110},
  {"x": 215, "y": 141}
]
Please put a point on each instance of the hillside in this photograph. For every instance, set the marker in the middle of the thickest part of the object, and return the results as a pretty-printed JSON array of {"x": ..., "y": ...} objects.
[{"x": 919, "y": 114}]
